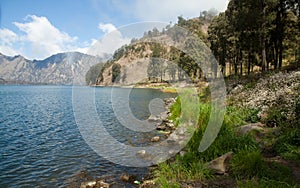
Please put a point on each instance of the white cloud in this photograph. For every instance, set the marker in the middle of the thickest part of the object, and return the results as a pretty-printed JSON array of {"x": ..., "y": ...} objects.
[
  {"x": 7, "y": 36},
  {"x": 43, "y": 38},
  {"x": 40, "y": 39},
  {"x": 169, "y": 10},
  {"x": 111, "y": 41},
  {"x": 7, "y": 39},
  {"x": 107, "y": 28}
]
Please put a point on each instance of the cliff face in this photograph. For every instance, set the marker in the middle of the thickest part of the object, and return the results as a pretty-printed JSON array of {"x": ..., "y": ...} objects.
[{"x": 57, "y": 69}]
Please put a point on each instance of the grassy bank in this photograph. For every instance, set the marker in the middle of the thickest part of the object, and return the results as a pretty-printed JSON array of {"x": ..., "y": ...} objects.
[{"x": 267, "y": 158}]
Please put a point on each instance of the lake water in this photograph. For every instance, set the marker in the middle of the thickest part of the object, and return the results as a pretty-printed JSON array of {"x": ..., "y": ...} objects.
[{"x": 41, "y": 145}]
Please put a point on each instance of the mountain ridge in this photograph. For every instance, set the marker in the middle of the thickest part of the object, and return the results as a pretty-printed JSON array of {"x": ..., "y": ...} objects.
[{"x": 58, "y": 68}]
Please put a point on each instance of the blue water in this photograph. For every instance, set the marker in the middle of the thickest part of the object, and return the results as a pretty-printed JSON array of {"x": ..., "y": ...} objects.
[{"x": 40, "y": 143}]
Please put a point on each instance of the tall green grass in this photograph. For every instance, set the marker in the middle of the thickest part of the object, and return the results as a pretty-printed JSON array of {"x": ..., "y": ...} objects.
[{"x": 192, "y": 166}]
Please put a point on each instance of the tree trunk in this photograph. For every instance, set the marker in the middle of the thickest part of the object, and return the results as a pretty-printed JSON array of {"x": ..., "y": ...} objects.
[
  {"x": 263, "y": 41},
  {"x": 241, "y": 62},
  {"x": 249, "y": 64},
  {"x": 264, "y": 56},
  {"x": 280, "y": 51}
]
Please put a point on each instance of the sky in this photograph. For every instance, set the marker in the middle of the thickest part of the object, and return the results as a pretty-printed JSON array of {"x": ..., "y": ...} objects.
[{"x": 37, "y": 29}]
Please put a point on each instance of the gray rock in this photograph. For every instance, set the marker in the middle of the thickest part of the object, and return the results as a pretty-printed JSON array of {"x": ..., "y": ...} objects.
[
  {"x": 247, "y": 128},
  {"x": 220, "y": 165},
  {"x": 153, "y": 118}
]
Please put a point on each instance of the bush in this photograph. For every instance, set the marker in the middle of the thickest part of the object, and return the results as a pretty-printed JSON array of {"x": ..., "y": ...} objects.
[{"x": 276, "y": 118}]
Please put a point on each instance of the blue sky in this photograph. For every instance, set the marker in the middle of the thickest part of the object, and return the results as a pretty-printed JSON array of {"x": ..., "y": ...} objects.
[{"x": 37, "y": 29}]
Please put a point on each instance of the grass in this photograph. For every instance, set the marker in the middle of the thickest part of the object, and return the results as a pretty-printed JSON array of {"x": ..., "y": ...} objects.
[
  {"x": 252, "y": 167},
  {"x": 248, "y": 166},
  {"x": 262, "y": 183},
  {"x": 288, "y": 144},
  {"x": 192, "y": 166},
  {"x": 182, "y": 169}
]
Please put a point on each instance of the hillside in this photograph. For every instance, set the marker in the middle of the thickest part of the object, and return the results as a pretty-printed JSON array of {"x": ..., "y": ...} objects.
[
  {"x": 156, "y": 57},
  {"x": 57, "y": 69}
]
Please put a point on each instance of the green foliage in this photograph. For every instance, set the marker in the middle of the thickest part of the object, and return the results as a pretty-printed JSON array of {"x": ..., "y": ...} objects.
[
  {"x": 288, "y": 144},
  {"x": 276, "y": 117},
  {"x": 175, "y": 111},
  {"x": 256, "y": 33},
  {"x": 251, "y": 164},
  {"x": 116, "y": 71},
  {"x": 247, "y": 164},
  {"x": 243, "y": 114},
  {"x": 93, "y": 73}
]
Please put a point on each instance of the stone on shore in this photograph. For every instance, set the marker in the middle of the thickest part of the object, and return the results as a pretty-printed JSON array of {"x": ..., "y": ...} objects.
[
  {"x": 155, "y": 139},
  {"x": 95, "y": 184}
]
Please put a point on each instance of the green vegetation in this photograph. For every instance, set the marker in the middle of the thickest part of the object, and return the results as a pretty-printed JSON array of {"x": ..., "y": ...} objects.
[
  {"x": 288, "y": 144},
  {"x": 93, "y": 73},
  {"x": 116, "y": 71},
  {"x": 256, "y": 33},
  {"x": 249, "y": 167}
]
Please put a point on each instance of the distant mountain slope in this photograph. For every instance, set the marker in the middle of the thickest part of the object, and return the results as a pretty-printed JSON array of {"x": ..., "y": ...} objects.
[{"x": 57, "y": 69}]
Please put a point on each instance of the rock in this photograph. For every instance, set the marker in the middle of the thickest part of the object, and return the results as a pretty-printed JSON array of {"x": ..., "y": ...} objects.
[
  {"x": 95, "y": 184},
  {"x": 161, "y": 127},
  {"x": 125, "y": 177},
  {"x": 169, "y": 101},
  {"x": 102, "y": 184},
  {"x": 155, "y": 139},
  {"x": 141, "y": 153},
  {"x": 247, "y": 128},
  {"x": 166, "y": 133},
  {"x": 220, "y": 165},
  {"x": 148, "y": 183},
  {"x": 237, "y": 89},
  {"x": 170, "y": 125},
  {"x": 153, "y": 118},
  {"x": 88, "y": 184},
  {"x": 164, "y": 115}
]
